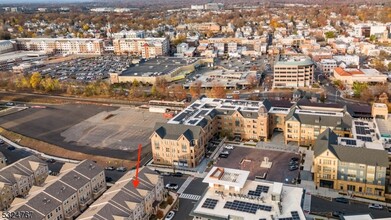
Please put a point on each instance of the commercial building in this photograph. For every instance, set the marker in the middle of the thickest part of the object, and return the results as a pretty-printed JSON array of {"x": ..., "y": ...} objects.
[
  {"x": 354, "y": 170},
  {"x": 144, "y": 47},
  {"x": 182, "y": 140},
  {"x": 17, "y": 179},
  {"x": 82, "y": 46},
  {"x": 293, "y": 72},
  {"x": 6, "y": 46},
  {"x": 65, "y": 196},
  {"x": 349, "y": 76},
  {"x": 307, "y": 120},
  {"x": 328, "y": 65},
  {"x": 231, "y": 196},
  {"x": 124, "y": 201},
  {"x": 169, "y": 68}
]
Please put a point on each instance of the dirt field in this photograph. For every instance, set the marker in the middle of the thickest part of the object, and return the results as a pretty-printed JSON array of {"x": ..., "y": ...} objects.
[{"x": 121, "y": 129}]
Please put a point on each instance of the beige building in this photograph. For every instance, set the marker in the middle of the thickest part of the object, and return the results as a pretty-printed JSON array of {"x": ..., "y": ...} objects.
[
  {"x": 80, "y": 46},
  {"x": 293, "y": 72},
  {"x": 380, "y": 110},
  {"x": 182, "y": 140},
  {"x": 124, "y": 201},
  {"x": 65, "y": 196},
  {"x": 349, "y": 76},
  {"x": 353, "y": 170},
  {"x": 145, "y": 47},
  {"x": 18, "y": 178},
  {"x": 306, "y": 121}
]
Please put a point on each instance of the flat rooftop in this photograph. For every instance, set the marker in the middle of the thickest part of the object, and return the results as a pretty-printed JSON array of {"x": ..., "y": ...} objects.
[
  {"x": 253, "y": 202},
  {"x": 227, "y": 177},
  {"x": 157, "y": 66},
  {"x": 12, "y": 56},
  {"x": 294, "y": 61}
]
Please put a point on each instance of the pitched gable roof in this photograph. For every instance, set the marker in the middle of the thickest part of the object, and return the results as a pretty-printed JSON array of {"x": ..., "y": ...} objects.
[{"x": 174, "y": 131}]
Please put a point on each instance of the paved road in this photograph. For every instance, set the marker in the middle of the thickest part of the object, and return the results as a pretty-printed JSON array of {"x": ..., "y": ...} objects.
[{"x": 323, "y": 206}]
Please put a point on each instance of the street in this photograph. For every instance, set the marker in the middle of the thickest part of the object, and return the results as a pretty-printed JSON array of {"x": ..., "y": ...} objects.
[{"x": 323, "y": 206}]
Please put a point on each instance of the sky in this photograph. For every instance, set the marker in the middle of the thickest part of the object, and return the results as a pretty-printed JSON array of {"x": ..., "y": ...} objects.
[{"x": 40, "y": 1}]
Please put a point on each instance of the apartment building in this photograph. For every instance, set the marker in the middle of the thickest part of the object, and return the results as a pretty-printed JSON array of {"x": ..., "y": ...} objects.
[
  {"x": 293, "y": 72},
  {"x": 307, "y": 120},
  {"x": 124, "y": 201},
  {"x": 65, "y": 196},
  {"x": 353, "y": 170},
  {"x": 231, "y": 195},
  {"x": 182, "y": 140},
  {"x": 82, "y": 46},
  {"x": 145, "y": 47},
  {"x": 18, "y": 178},
  {"x": 327, "y": 66}
]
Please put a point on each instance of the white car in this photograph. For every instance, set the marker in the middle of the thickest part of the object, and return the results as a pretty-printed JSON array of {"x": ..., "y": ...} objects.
[
  {"x": 236, "y": 92},
  {"x": 375, "y": 206},
  {"x": 229, "y": 147},
  {"x": 170, "y": 215}
]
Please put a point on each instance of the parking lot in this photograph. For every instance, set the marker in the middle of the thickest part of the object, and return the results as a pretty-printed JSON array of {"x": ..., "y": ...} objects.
[
  {"x": 250, "y": 159},
  {"x": 85, "y": 69}
]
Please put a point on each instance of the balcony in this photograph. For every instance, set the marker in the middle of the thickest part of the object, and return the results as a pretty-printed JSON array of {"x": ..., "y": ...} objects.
[
  {"x": 84, "y": 203},
  {"x": 98, "y": 191},
  {"x": 72, "y": 214}
]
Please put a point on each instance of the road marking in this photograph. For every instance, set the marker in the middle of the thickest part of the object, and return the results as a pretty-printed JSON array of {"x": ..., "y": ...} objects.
[
  {"x": 185, "y": 184},
  {"x": 189, "y": 196}
]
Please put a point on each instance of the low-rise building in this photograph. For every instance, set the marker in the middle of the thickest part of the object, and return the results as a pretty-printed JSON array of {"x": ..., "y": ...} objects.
[
  {"x": 353, "y": 170},
  {"x": 6, "y": 46},
  {"x": 124, "y": 201},
  {"x": 231, "y": 196},
  {"x": 328, "y": 65},
  {"x": 145, "y": 47},
  {"x": 349, "y": 76}
]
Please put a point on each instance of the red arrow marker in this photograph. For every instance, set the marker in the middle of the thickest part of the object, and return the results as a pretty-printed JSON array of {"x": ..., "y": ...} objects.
[{"x": 136, "y": 181}]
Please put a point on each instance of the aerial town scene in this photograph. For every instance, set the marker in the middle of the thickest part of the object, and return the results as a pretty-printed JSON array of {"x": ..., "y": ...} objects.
[{"x": 195, "y": 109}]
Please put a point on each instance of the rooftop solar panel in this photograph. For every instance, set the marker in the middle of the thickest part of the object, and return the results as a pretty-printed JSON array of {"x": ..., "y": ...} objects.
[
  {"x": 209, "y": 203},
  {"x": 246, "y": 207}
]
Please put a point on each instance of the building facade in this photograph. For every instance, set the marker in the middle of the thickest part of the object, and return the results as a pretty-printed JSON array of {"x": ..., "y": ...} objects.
[
  {"x": 352, "y": 170},
  {"x": 6, "y": 46},
  {"x": 293, "y": 72},
  {"x": 145, "y": 47},
  {"x": 80, "y": 46}
]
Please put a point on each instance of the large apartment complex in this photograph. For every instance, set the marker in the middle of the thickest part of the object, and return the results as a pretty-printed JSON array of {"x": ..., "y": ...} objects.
[
  {"x": 65, "y": 196},
  {"x": 145, "y": 47},
  {"x": 82, "y": 46},
  {"x": 182, "y": 140},
  {"x": 293, "y": 72},
  {"x": 124, "y": 201},
  {"x": 341, "y": 164},
  {"x": 17, "y": 179}
]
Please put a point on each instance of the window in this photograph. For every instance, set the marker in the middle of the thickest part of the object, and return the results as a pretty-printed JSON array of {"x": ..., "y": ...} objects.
[
  {"x": 167, "y": 149},
  {"x": 184, "y": 148},
  {"x": 157, "y": 147}
]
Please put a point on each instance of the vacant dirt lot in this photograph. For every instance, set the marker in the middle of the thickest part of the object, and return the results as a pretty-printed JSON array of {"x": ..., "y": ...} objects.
[{"x": 121, "y": 129}]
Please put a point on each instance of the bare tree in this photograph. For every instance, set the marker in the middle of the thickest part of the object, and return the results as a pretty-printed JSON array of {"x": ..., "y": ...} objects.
[{"x": 195, "y": 89}]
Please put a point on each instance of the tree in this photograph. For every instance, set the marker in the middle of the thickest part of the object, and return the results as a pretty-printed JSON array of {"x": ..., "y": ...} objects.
[
  {"x": 179, "y": 39},
  {"x": 359, "y": 87},
  {"x": 372, "y": 38},
  {"x": 195, "y": 89},
  {"x": 159, "y": 214},
  {"x": 366, "y": 94},
  {"x": 154, "y": 91},
  {"x": 389, "y": 66},
  {"x": 170, "y": 200},
  {"x": 217, "y": 91},
  {"x": 329, "y": 34},
  {"x": 35, "y": 80},
  {"x": 135, "y": 83},
  {"x": 161, "y": 85},
  {"x": 252, "y": 80},
  {"x": 179, "y": 92},
  {"x": 86, "y": 27}
]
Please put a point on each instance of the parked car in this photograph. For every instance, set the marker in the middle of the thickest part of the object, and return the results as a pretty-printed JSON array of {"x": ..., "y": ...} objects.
[
  {"x": 51, "y": 160},
  {"x": 342, "y": 200},
  {"x": 121, "y": 169},
  {"x": 177, "y": 174},
  {"x": 225, "y": 152},
  {"x": 170, "y": 215},
  {"x": 10, "y": 104},
  {"x": 337, "y": 213},
  {"x": 295, "y": 159},
  {"x": 375, "y": 206},
  {"x": 293, "y": 167},
  {"x": 229, "y": 147},
  {"x": 223, "y": 155},
  {"x": 1, "y": 141},
  {"x": 291, "y": 163},
  {"x": 11, "y": 148},
  {"x": 172, "y": 186},
  {"x": 110, "y": 168},
  {"x": 109, "y": 179}
]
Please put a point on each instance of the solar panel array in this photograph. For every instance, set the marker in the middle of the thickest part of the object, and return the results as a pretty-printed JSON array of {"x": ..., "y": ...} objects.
[
  {"x": 363, "y": 138},
  {"x": 295, "y": 216},
  {"x": 209, "y": 203},
  {"x": 350, "y": 142},
  {"x": 246, "y": 207},
  {"x": 260, "y": 189},
  {"x": 362, "y": 130}
]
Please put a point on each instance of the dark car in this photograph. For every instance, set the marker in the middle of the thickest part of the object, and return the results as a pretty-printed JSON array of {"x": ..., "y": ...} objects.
[
  {"x": 337, "y": 214},
  {"x": 51, "y": 160},
  {"x": 109, "y": 179},
  {"x": 11, "y": 148},
  {"x": 342, "y": 200},
  {"x": 295, "y": 159},
  {"x": 293, "y": 167},
  {"x": 223, "y": 155},
  {"x": 291, "y": 163},
  {"x": 177, "y": 174},
  {"x": 1, "y": 141}
]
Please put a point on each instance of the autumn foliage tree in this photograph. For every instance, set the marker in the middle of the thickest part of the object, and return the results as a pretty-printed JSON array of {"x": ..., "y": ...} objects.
[
  {"x": 252, "y": 80},
  {"x": 217, "y": 91},
  {"x": 178, "y": 92},
  {"x": 195, "y": 89}
]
